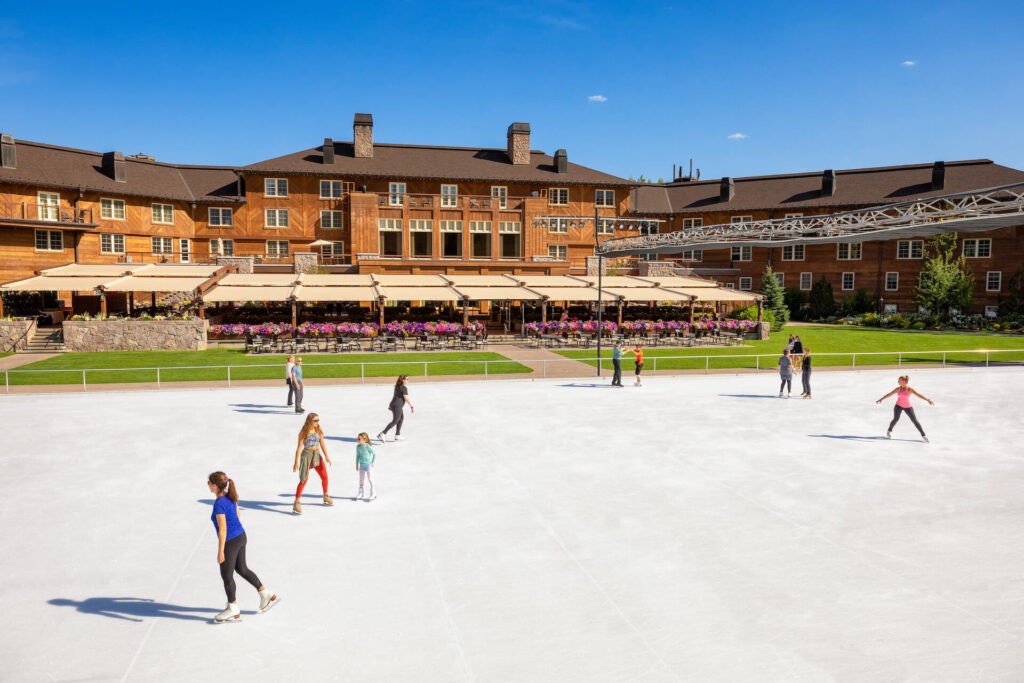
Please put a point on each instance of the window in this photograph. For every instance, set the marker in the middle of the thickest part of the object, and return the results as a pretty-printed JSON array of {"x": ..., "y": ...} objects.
[
  {"x": 510, "y": 227},
  {"x": 648, "y": 228},
  {"x": 793, "y": 215},
  {"x": 396, "y": 194},
  {"x": 276, "y": 218},
  {"x": 559, "y": 252},
  {"x": 730, "y": 285},
  {"x": 805, "y": 281},
  {"x": 501, "y": 192},
  {"x": 690, "y": 223},
  {"x": 480, "y": 239},
  {"x": 163, "y": 213},
  {"x": 112, "y": 209},
  {"x": 892, "y": 282},
  {"x": 793, "y": 252},
  {"x": 558, "y": 196},
  {"x": 331, "y": 220},
  {"x": 604, "y": 197},
  {"x": 451, "y": 239},
  {"x": 848, "y": 252},
  {"x": 890, "y": 308},
  {"x": 421, "y": 225},
  {"x": 275, "y": 187},
  {"x": 605, "y": 226},
  {"x": 991, "y": 311},
  {"x": 163, "y": 245},
  {"x": 910, "y": 249},
  {"x": 49, "y": 240},
  {"x": 693, "y": 255},
  {"x": 847, "y": 282},
  {"x": 390, "y": 236},
  {"x": 993, "y": 281},
  {"x": 49, "y": 206},
  {"x": 746, "y": 284},
  {"x": 978, "y": 248},
  {"x": 219, "y": 217},
  {"x": 277, "y": 249},
  {"x": 742, "y": 254},
  {"x": 781, "y": 277},
  {"x": 335, "y": 250},
  {"x": 510, "y": 239},
  {"x": 330, "y": 189},
  {"x": 111, "y": 244},
  {"x": 185, "y": 247},
  {"x": 558, "y": 225},
  {"x": 222, "y": 247},
  {"x": 449, "y": 195},
  {"x": 421, "y": 237},
  {"x": 741, "y": 219}
]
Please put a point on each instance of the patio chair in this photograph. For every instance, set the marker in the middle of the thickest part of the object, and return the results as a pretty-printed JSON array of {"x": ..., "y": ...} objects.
[{"x": 266, "y": 345}]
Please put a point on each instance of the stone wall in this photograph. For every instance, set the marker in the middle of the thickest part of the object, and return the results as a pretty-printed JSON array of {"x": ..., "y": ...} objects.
[
  {"x": 135, "y": 335},
  {"x": 656, "y": 268},
  {"x": 763, "y": 330},
  {"x": 245, "y": 263},
  {"x": 306, "y": 261},
  {"x": 14, "y": 332}
]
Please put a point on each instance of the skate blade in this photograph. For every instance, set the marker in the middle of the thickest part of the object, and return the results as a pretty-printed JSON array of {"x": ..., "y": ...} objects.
[
  {"x": 269, "y": 606},
  {"x": 232, "y": 620}
]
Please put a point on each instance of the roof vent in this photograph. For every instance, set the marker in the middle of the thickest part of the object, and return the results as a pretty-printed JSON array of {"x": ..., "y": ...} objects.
[
  {"x": 362, "y": 136},
  {"x": 328, "y": 151},
  {"x": 8, "y": 152},
  {"x": 727, "y": 190},
  {"x": 141, "y": 156},
  {"x": 113, "y": 166},
  {"x": 518, "y": 136},
  {"x": 938, "y": 175},
  {"x": 828, "y": 183},
  {"x": 561, "y": 161}
]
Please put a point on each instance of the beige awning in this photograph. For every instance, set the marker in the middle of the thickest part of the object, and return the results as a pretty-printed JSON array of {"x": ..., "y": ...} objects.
[
  {"x": 572, "y": 293},
  {"x": 678, "y": 281},
  {"x": 242, "y": 294},
  {"x": 618, "y": 281},
  {"x": 409, "y": 280},
  {"x": 177, "y": 270},
  {"x": 136, "y": 283},
  {"x": 497, "y": 293},
  {"x": 480, "y": 280},
  {"x": 307, "y": 293},
  {"x": 551, "y": 281},
  {"x": 44, "y": 283},
  {"x": 336, "y": 280},
  {"x": 647, "y": 294},
  {"x": 259, "y": 279},
  {"x": 100, "y": 270},
  {"x": 424, "y": 293},
  {"x": 718, "y": 294}
]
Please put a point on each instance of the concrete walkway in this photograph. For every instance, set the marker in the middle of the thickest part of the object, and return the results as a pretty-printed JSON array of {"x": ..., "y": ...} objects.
[{"x": 18, "y": 359}]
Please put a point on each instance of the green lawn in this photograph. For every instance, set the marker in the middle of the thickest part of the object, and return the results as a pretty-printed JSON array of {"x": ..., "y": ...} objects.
[
  {"x": 193, "y": 366},
  {"x": 826, "y": 339}
]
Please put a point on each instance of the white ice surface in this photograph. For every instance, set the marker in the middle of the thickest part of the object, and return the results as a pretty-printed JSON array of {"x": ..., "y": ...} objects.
[{"x": 696, "y": 529}]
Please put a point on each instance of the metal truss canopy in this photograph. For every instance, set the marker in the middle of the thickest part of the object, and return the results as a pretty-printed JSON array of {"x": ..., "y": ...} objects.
[{"x": 973, "y": 211}]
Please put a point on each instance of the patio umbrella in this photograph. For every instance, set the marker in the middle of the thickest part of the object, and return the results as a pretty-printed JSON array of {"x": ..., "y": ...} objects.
[{"x": 321, "y": 243}]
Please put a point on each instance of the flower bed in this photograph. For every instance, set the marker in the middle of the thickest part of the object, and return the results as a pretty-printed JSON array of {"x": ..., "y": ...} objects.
[
  {"x": 635, "y": 327},
  {"x": 402, "y": 328}
]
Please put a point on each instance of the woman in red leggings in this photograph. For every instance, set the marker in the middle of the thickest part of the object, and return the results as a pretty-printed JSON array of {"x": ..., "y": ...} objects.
[{"x": 307, "y": 456}]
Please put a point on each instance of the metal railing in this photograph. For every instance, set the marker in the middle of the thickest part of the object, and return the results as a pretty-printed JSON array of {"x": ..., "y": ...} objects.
[
  {"x": 462, "y": 201},
  {"x": 940, "y": 358},
  {"x": 43, "y": 213}
]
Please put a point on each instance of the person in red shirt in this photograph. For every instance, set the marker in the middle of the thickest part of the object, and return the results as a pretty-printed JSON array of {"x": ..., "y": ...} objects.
[{"x": 639, "y": 353}]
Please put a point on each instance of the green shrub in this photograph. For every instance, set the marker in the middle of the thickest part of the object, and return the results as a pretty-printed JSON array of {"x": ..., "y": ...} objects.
[
  {"x": 917, "y": 325},
  {"x": 872, "y": 319}
]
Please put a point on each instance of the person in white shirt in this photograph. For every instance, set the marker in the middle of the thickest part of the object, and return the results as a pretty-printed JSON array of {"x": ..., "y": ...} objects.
[{"x": 288, "y": 377}]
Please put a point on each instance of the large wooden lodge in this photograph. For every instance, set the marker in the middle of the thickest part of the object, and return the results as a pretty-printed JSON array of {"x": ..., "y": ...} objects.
[{"x": 391, "y": 208}]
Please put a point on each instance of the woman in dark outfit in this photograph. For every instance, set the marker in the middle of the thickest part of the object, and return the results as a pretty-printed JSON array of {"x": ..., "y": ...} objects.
[
  {"x": 398, "y": 401},
  {"x": 805, "y": 373}
]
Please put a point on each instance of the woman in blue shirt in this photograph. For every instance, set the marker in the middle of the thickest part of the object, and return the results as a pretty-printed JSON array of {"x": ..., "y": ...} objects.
[{"x": 231, "y": 548}]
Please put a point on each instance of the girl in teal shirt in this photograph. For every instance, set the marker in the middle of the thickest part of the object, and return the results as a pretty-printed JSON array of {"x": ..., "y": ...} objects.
[{"x": 365, "y": 457}]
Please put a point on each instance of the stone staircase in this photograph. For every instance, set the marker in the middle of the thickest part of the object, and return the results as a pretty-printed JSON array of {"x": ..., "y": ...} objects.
[{"x": 45, "y": 340}]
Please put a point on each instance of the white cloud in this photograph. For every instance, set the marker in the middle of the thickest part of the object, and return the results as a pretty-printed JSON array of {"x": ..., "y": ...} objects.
[
  {"x": 738, "y": 136},
  {"x": 597, "y": 98},
  {"x": 908, "y": 63}
]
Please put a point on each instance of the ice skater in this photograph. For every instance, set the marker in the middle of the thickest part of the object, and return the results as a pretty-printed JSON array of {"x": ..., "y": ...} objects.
[
  {"x": 365, "y": 458},
  {"x": 786, "y": 374},
  {"x": 397, "y": 405},
  {"x": 307, "y": 455},
  {"x": 617, "y": 364},
  {"x": 797, "y": 351},
  {"x": 288, "y": 378},
  {"x": 639, "y": 353},
  {"x": 903, "y": 393},
  {"x": 231, "y": 548},
  {"x": 297, "y": 384},
  {"x": 805, "y": 373}
]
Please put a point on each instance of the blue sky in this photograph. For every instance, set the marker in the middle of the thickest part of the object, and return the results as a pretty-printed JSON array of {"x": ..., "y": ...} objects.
[{"x": 745, "y": 88}]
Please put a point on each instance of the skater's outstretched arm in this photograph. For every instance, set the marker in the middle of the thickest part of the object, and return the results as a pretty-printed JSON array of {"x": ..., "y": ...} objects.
[
  {"x": 888, "y": 395},
  {"x": 222, "y": 537},
  {"x": 921, "y": 396}
]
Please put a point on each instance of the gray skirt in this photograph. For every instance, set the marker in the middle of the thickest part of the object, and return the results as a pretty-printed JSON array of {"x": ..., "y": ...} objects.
[{"x": 308, "y": 459}]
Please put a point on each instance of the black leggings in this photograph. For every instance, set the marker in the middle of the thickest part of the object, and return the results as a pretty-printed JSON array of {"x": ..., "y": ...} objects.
[
  {"x": 806, "y": 377},
  {"x": 234, "y": 561},
  {"x": 897, "y": 412},
  {"x": 397, "y": 417},
  {"x": 786, "y": 383}
]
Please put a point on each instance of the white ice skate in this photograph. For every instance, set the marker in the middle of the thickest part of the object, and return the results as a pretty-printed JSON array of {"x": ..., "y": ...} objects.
[
  {"x": 267, "y": 600},
  {"x": 230, "y": 615}
]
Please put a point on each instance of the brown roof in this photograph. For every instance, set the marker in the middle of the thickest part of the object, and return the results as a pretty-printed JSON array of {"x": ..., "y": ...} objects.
[
  {"x": 42, "y": 165},
  {"x": 441, "y": 163},
  {"x": 798, "y": 191}
]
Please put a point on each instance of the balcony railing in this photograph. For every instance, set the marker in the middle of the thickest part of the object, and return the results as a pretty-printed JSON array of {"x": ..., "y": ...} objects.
[
  {"x": 38, "y": 213},
  {"x": 435, "y": 201}
]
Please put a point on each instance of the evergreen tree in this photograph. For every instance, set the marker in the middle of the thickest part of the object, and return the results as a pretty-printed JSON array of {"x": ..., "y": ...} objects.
[
  {"x": 1013, "y": 304},
  {"x": 945, "y": 281},
  {"x": 822, "y": 302},
  {"x": 774, "y": 298}
]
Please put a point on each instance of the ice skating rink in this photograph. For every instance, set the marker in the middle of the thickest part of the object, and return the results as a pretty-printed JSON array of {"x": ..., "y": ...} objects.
[{"x": 695, "y": 529}]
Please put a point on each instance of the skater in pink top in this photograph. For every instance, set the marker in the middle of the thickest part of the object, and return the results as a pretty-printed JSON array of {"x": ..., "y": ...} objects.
[{"x": 903, "y": 393}]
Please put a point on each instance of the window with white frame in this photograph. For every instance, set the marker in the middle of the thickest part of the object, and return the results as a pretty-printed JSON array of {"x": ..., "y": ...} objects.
[
  {"x": 741, "y": 219},
  {"x": 742, "y": 254},
  {"x": 510, "y": 227},
  {"x": 480, "y": 227},
  {"x": 449, "y": 195},
  {"x": 111, "y": 244},
  {"x": 277, "y": 249},
  {"x": 330, "y": 189},
  {"x": 450, "y": 226},
  {"x": 805, "y": 281},
  {"x": 331, "y": 220},
  {"x": 604, "y": 197},
  {"x": 648, "y": 227},
  {"x": 510, "y": 243},
  {"x": 892, "y": 282},
  {"x": 991, "y": 311},
  {"x": 558, "y": 252},
  {"x": 558, "y": 225},
  {"x": 848, "y": 252},
  {"x": 112, "y": 209},
  {"x": 49, "y": 240},
  {"x": 185, "y": 249},
  {"x": 500, "y": 192},
  {"x": 689, "y": 223},
  {"x": 421, "y": 225},
  {"x": 606, "y": 226},
  {"x": 906, "y": 249},
  {"x": 693, "y": 255},
  {"x": 162, "y": 245},
  {"x": 334, "y": 250},
  {"x": 793, "y": 252},
  {"x": 730, "y": 285},
  {"x": 48, "y": 204},
  {"x": 396, "y": 194},
  {"x": 558, "y": 196},
  {"x": 222, "y": 247},
  {"x": 276, "y": 218},
  {"x": 847, "y": 282},
  {"x": 480, "y": 239},
  {"x": 163, "y": 214},
  {"x": 746, "y": 284},
  {"x": 390, "y": 232},
  {"x": 890, "y": 308},
  {"x": 993, "y": 281},
  {"x": 978, "y": 248},
  {"x": 421, "y": 237},
  {"x": 451, "y": 239},
  {"x": 275, "y": 187},
  {"x": 793, "y": 215},
  {"x": 219, "y": 217}
]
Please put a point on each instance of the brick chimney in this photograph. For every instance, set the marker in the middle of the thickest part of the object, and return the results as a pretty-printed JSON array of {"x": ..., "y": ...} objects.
[
  {"x": 561, "y": 161},
  {"x": 362, "y": 136},
  {"x": 114, "y": 166},
  {"x": 938, "y": 175},
  {"x": 726, "y": 190},
  {"x": 828, "y": 183},
  {"x": 328, "y": 151},
  {"x": 8, "y": 152},
  {"x": 519, "y": 143}
]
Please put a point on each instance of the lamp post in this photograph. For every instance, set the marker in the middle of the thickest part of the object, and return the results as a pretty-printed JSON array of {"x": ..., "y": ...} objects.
[{"x": 600, "y": 274}]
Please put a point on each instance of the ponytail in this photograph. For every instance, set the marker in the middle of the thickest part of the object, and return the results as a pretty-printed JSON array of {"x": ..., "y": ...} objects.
[{"x": 224, "y": 485}]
